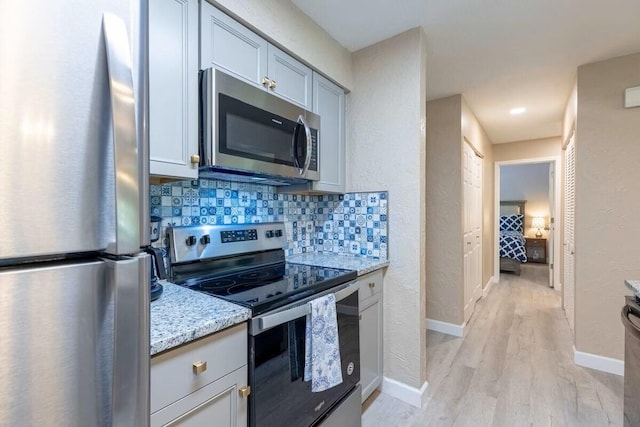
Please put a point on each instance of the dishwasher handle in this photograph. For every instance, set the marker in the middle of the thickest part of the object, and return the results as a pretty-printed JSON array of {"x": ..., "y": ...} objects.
[
  {"x": 628, "y": 324},
  {"x": 299, "y": 310}
]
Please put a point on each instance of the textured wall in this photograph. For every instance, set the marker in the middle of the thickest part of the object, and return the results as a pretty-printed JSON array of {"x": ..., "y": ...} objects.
[
  {"x": 444, "y": 211},
  {"x": 607, "y": 202},
  {"x": 531, "y": 149},
  {"x": 386, "y": 149},
  {"x": 449, "y": 122},
  {"x": 473, "y": 132},
  {"x": 285, "y": 24}
]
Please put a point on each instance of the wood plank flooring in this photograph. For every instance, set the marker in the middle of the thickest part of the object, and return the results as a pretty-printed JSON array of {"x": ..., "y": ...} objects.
[{"x": 514, "y": 368}]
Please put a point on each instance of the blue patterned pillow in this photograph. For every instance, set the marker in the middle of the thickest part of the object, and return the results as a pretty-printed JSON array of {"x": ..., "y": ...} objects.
[{"x": 511, "y": 222}]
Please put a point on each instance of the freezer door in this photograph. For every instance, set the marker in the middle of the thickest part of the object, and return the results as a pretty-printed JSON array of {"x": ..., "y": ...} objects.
[
  {"x": 69, "y": 169},
  {"x": 72, "y": 344}
]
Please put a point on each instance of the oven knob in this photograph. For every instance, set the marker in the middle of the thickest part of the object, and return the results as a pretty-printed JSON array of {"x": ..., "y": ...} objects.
[
  {"x": 205, "y": 240},
  {"x": 191, "y": 240},
  {"x": 269, "y": 234},
  {"x": 278, "y": 233}
]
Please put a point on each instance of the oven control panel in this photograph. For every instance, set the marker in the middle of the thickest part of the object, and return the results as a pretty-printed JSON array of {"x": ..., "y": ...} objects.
[
  {"x": 238, "y": 235},
  {"x": 200, "y": 242}
]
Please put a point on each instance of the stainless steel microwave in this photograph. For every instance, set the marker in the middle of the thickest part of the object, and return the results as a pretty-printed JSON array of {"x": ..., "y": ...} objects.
[{"x": 248, "y": 134}]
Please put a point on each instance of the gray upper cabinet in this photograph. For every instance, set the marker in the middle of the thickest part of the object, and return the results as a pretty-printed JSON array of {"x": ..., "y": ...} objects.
[
  {"x": 230, "y": 46},
  {"x": 173, "y": 88},
  {"x": 289, "y": 78},
  {"x": 328, "y": 102},
  {"x": 226, "y": 44}
]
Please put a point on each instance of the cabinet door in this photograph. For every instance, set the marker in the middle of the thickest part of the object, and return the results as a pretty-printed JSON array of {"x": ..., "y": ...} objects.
[
  {"x": 328, "y": 102},
  {"x": 289, "y": 78},
  {"x": 228, "y": 45},
  {"x": 173, "y": 87},
  {"x": 371, "y": 344},
  {"x": 217, "y": 404}
]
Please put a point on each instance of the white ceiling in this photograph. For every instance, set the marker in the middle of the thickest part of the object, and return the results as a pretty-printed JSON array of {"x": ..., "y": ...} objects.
[{"x": 499, "y": 54}]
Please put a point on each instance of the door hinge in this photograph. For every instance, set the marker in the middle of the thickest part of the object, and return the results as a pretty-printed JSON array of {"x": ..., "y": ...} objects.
[
  {"x": 551, "y": 266},
  {"x": 552, "y": 220}
]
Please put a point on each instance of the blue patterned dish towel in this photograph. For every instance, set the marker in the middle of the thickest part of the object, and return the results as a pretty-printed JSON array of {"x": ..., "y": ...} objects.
[{"x": 322, "y": 349}]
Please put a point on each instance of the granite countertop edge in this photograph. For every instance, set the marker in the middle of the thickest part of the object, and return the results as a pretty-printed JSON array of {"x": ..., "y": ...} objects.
[
  {"x": 361, "y": 264},
  {"x": 181, "y": 315}
]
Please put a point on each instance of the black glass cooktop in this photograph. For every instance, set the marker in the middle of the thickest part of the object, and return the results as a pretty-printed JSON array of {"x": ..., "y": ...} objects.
[{"x": 269, "y": 287}]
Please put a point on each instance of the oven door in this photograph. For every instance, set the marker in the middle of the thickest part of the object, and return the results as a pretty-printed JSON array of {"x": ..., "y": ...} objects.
[{"x": 279, "y": 395}]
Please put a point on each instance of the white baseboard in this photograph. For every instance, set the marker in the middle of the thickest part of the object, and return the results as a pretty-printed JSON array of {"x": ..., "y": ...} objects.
[
  {"x": 488, "y": 286},
  {"x": 446, "y": 328},
  {"x": 599, "y": 363},
  {"x": 411, "y": 395}
]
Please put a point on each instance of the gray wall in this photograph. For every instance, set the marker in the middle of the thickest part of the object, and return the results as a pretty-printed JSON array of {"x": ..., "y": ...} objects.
[{"x": 528, "y": 182}]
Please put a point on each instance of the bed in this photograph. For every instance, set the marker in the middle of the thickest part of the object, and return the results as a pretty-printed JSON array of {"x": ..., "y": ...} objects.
[{"x": 511, "y": 239}]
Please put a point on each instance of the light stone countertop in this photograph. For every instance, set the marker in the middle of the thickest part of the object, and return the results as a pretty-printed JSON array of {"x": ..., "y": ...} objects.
[
  {"x": 634, "y": 285},
  {"x": 181, "y": 315},
  {"x": 361, "y": 264}
]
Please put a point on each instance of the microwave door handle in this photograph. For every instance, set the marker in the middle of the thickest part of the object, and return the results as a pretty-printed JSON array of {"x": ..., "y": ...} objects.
[
  {"x": 125, "y": 149},
  {"x": 307, "y": 132},
  {"x": 296, "y": 133}
]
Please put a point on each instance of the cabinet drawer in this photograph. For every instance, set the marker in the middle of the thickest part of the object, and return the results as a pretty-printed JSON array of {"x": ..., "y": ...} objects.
[
  {"x": 173, "y": 373},
  {"x": 216, "y": 404},
  {"x": 370, "y": 284},
  {"x": 532, "y": 242}
]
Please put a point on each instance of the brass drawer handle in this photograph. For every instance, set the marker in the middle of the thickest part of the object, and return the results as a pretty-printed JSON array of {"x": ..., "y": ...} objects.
[
  {"x": 272, "y": 85},
  {"x": 199, "y": 367},
  {"x": 195, "y": 159},
  {"x": 372, "y": 285},
  {"x": 245, "y": 391},
  {"x": 265, "y": 81}
]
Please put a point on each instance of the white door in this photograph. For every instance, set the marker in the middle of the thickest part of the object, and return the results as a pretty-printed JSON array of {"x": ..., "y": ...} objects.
[
  {"x": 552, "y": 225},
  {"x": 472, "y": 193},
  {"x": 569, "y": 227}
]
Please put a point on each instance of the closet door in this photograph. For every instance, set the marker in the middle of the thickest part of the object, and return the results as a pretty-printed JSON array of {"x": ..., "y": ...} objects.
[
  {"x": 472, "y": 219},
  {"x": 569, "y": 227}
]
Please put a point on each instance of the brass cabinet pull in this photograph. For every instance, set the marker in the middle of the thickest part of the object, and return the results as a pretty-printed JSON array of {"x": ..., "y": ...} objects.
[
  {"x": 199, "y": 367},
  {"x": 272, "y": 84},
  {"x": 266, "y": 81},
  {"x": 245, "y": 391},
  {"x": 195, "y": 158},
  {"x": 372, "y": 285}
]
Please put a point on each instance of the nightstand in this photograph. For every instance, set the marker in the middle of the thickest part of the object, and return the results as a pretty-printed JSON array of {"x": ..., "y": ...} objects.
[{"x": 536, "y": 250}]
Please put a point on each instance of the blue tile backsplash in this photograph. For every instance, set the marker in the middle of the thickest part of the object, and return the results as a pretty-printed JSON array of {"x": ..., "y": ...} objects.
[{"x": 353, "y": 223}]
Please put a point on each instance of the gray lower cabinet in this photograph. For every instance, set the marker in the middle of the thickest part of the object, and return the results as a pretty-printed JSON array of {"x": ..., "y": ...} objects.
[
  {"x": 371, "y": 316},
  {"x": 173, "y": 88},
  {"x": 203, "y": 383},
  {"x": 228, "y": 45}
]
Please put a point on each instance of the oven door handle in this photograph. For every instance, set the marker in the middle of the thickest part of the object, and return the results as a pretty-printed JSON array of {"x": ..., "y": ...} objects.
[{"x": 287, "y": 315}]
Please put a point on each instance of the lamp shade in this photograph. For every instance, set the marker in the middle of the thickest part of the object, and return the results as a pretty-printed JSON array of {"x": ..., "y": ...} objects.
[{"x": 537, "y": 222}]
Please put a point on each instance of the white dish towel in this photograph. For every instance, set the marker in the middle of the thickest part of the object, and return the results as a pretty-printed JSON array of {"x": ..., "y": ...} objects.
[{"x": 322, "y": 348}]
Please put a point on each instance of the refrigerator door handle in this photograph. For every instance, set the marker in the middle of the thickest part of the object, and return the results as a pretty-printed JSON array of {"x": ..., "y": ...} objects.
[
  {"x": 125, "y": 149},
  {"x": 130, "y": 281}
]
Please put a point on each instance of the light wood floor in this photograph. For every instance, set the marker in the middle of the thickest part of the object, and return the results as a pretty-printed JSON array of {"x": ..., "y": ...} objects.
[{"x": 514, "y": 368}]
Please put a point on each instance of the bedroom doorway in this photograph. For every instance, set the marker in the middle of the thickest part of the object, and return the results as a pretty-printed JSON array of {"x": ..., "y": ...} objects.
[{"x": 536, "y": 183}]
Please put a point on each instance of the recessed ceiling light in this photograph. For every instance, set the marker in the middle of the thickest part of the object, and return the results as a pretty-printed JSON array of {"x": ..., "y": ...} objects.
[{"x": 517, "y": 110}]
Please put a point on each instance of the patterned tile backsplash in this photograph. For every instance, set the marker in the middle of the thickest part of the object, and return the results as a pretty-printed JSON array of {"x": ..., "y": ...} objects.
[{"x": 354, "y": 223}]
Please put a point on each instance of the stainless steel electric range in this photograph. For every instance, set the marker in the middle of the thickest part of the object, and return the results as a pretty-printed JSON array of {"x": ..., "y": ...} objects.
[{"x": 245, "y": 264}]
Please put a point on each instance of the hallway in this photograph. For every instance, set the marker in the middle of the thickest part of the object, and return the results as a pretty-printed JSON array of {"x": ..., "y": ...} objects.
[{"x": 514, "y": 368}]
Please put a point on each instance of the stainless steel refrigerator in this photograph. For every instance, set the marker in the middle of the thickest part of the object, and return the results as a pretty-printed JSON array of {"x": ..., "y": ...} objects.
[{"x": 74, "y": 285}]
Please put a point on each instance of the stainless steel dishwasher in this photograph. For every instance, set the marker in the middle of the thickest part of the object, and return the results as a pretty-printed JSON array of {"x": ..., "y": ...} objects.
[{"x": 631, "y": 321}]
